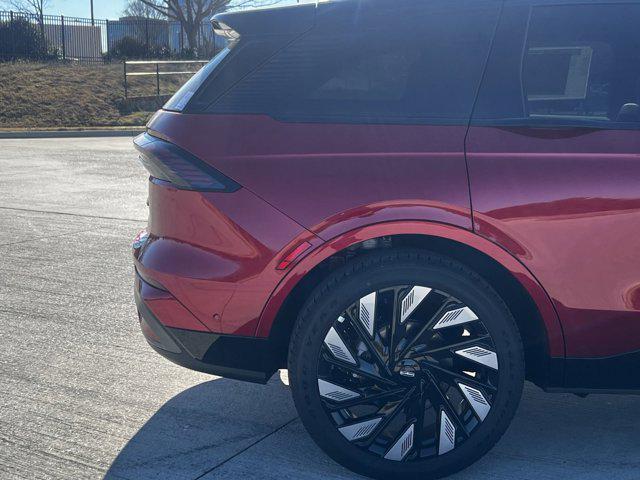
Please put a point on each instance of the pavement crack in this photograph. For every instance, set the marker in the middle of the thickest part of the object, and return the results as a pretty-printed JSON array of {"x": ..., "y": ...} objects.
[
  {"x": 264, "y": 437},
  {"x": 46, "y": 237},
  {"x": 82, "y": 215}
]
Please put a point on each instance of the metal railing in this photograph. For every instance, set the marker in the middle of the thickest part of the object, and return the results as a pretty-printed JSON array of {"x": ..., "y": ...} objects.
[
  {"x": 52, "y": 37},
  {"x": 156, "y": 72}
]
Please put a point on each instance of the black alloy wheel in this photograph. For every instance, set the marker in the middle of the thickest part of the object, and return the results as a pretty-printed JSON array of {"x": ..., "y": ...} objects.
[{"x": 405, "y": 358}]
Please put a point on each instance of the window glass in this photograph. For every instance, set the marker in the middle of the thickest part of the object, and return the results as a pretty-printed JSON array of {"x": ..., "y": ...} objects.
[
  {"x": 581, "y": 66},
  {"x": 379, "y": 78},
  {"x": 582, "y": 63},
  {"x": 412, "y": 62},
  {"x": 249, "y": 52},
  {"x": 557, "y": 73},
  {"x": 182, "y": 97}
]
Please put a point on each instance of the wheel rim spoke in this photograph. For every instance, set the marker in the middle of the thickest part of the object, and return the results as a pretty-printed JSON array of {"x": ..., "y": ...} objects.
[
  {"x": 427, "y": 326},
  {"x": 367, "y": 399},
  {"x": 358, "y": 371},
  {"x": 420, "y": 411},
  {"x": 455, "y": 346},
  {"x": 452, "y": 377},
  {"x": 366, "y": 339},
  {"x": 388, "y": 418},
  {"x": 438, "y": 398},
  {"x": 394, "y": 323},
  {"x": 419, "y": 377}
]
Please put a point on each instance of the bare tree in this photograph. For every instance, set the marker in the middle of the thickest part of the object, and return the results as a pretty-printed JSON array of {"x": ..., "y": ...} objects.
[
  {"x": 36, "y": 7},
  {"x": 191, "y": 13},
  {"x": 136, "y": 8}
]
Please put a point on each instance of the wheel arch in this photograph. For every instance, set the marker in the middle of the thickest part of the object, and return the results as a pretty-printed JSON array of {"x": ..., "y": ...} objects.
[{"x": 529, "y": 303}]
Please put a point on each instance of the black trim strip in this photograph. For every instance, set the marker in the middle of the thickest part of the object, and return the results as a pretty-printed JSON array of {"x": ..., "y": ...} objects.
[{"x": 610, "y": 374}]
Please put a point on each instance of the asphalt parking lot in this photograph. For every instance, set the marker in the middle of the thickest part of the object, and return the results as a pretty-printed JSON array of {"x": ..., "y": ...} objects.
[{"x": 83, "y": 396}]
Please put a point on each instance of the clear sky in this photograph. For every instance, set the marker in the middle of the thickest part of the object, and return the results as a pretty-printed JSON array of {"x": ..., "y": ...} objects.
[
  {"x": 110, "y": 9},
  {"x": 82, "y": 8}
]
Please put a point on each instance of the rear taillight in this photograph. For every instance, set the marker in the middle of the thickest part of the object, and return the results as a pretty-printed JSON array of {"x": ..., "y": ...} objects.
[{"x": 168, "y": 162}]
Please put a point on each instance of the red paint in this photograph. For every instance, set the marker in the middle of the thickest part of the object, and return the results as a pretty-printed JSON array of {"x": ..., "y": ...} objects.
[
  {"x": 567, "y": 205},
  {"x": 559, "y": 210},
  {"x": 165, "y": 307},
  {"x": 542, "y": 301},
  {"x": 317, "y": 174},
  {"x": 211, "y": 263},
  {"x": 219, "y": 252}
]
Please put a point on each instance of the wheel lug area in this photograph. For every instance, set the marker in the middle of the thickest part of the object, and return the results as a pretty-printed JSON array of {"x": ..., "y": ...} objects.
[{"x": 408, "y": 370}]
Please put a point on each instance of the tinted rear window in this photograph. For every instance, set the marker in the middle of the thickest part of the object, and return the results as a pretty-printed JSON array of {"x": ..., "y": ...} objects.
[
  {"x": 406, "y": 62},
  {"x": 182, "y": 97}
]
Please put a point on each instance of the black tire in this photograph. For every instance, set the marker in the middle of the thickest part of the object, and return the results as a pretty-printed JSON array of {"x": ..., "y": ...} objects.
[{"x": 375, "y": 272}]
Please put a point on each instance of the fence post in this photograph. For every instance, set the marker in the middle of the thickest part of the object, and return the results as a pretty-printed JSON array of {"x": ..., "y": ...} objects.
[
  {"x": 157, "y": 80},
  {"x": 146, "y": 34},
  {"x": 198, "y": 41},
  {"x": 124, "y": 63},
  {"x": 107, "y": 36},
  {"x": 13, "y": 33},
  {"x": 42, "y": 36},
  {"x": 181, "y": 38},
  {"x": 64, "y": 48}
]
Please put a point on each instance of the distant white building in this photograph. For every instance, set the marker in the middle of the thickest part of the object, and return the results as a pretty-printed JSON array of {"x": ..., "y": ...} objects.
[{"x": 80, "y": 41}]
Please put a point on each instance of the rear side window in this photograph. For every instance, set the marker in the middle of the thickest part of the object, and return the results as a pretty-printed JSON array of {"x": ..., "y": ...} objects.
[
  {"x": 579, "y": 65},
  {"x": 378, "y": 78},
  {"x": 411, "y": 62},
  {"x": 182, "y": 97}
]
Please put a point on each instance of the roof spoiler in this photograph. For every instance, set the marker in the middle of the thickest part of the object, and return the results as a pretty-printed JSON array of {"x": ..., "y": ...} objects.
[
  {"x": 295, "y": 19},
  {"x": 223, "y": 30}
]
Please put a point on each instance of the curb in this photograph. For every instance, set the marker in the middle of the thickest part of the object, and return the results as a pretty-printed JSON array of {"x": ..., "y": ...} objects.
[{"x": 129, "y": 132}]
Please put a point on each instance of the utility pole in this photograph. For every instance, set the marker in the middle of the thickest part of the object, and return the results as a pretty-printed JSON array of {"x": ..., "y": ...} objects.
[{"x": 92, "y": 20}]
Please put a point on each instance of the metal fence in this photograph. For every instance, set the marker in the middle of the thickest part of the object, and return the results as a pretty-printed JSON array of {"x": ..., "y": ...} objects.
[
  {"x": 49, "y": 37},
  {"x": 176, "y": 68}
]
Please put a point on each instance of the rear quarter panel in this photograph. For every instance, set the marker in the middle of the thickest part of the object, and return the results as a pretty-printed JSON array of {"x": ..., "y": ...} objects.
[
  {"x": 566, "y": 203},
  {"x": 333, "y": 178}
]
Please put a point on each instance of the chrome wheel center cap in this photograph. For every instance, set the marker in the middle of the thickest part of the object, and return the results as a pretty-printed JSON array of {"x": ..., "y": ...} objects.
[{"x": 408, "y": 368}]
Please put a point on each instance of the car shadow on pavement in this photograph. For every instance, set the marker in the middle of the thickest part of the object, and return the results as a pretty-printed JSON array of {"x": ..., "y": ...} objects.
[
  {"x": 202, "y": 427},
  {"x": 196, "y": 433}
]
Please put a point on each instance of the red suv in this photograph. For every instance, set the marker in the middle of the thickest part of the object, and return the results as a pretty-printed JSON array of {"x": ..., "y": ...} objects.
[{"x": 413, "y": 206}]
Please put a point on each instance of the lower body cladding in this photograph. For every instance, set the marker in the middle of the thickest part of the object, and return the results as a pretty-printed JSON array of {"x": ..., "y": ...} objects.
[{"x": 242, "y": 358}]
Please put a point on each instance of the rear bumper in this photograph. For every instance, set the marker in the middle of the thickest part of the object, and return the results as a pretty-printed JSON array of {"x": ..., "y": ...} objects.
[
  {"x": 217, "y": 254},
  {"x": 242, "y": 358}
]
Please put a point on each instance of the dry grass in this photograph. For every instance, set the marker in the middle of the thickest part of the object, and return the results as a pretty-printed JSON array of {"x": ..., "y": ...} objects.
[{"x": 40, "y": 95}]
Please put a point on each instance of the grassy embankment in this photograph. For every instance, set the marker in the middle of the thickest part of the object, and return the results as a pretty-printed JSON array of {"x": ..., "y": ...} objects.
[{"x": 51, "y": 95}]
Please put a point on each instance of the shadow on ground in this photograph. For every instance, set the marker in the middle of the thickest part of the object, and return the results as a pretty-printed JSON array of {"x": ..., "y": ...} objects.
[
  {"x": 226, "y": 429},
  {"x": 202, "y": 427}
]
